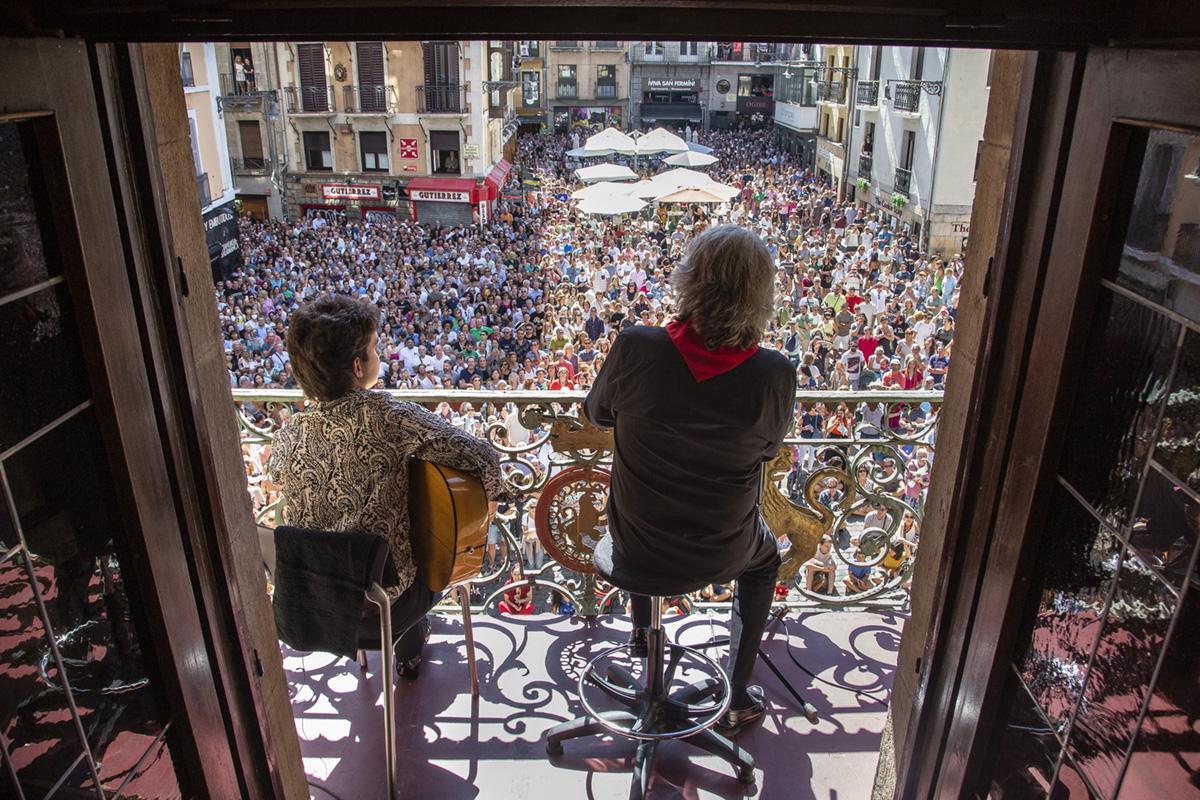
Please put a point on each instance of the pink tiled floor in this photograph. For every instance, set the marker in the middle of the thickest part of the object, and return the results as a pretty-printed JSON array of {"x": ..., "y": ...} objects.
[{"x": 453, "y": 748}]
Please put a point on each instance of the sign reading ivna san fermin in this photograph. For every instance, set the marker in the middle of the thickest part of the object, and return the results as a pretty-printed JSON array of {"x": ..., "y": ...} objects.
[
  {"x": 345, "y": 191},
  {"x": 673, "y": 83}
]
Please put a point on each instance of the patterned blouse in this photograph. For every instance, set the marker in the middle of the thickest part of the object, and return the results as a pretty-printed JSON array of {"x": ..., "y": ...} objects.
[{"x": 344, "y": 467}]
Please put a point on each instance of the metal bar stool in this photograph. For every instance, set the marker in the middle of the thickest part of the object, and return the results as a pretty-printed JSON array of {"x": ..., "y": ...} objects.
[{"x": 653, "y": 714}]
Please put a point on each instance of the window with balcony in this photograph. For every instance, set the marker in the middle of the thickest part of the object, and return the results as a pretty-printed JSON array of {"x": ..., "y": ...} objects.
[
  {"x": 314, "y": 89},
  {"x": 185, "y": 68},
  {"x": 608, "y": 45},
  {"x": 318, "y": 157},
  {"x": 444, "y": 145},
  {"x": 689, "y": 49},
  {"x": 840, "y": 127},
  {"x": 529, "y": 48},
  {"x": 606, "y": 81},
  {"x": 566, "y": 45},
  {"x": 250, "y": 138},
  {"x": 531, "y": 88},
  {"x": 371, "y": 88},
  {"x": 655, "y": 49},
  {"x": 442, "y": 89},
  {"x": 798, "y": 87},
  {"x": 373, "y": 145},
  {"x": 567, "y": 81}
]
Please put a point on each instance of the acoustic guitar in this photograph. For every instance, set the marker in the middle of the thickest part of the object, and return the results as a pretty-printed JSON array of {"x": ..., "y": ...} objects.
[{"x": 449, "y": 518}]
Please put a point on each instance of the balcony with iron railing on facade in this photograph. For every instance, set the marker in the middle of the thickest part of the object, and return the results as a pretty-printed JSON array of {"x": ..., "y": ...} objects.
[
  {"x": 833, "y": 92},
  {"x": 561, "y": 460},
  {"x": 606, "y": 46},
  {"x": 250, "y": 165},
  {"x": 906, "y": 97},
  {"x": 566, "y": 91},
  {"x": 449, "y": 98},
  {"x": 868, "y": 93},
  {"x": 606, "y": 91},
  {"x": 371, "y": 99},
  {"x": 751, "y": 52},
  {"x": 662, "y": 53},
  {"x": 565, "y": 45},
  {"x": 864, "y": 164},
  {"x": 903, "y": 181},
  {"x": 309, "y": 99}
]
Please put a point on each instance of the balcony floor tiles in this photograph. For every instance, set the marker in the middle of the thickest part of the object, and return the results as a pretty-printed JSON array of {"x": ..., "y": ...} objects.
[{"x": 454, "y": 748}]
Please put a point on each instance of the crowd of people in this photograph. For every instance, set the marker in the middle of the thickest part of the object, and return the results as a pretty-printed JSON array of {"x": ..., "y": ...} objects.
[{"x": 534, "y": 298}]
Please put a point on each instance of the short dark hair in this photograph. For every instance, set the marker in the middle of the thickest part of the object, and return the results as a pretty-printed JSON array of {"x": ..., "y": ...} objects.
[{"x": 323, "y": 339}]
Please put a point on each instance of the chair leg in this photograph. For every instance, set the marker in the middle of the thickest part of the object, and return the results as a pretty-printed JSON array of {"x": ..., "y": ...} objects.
[
  {"x": 579, "y": 727},
  {"x": 643, "y": 767},
  {"x": 379, "y": 597},
  {"x": 718, "y": 745},
  {"x": 464, "y": 602}
]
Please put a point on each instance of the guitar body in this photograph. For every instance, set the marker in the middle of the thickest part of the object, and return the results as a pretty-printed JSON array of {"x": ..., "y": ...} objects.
[{"x": 448, "y": 513}]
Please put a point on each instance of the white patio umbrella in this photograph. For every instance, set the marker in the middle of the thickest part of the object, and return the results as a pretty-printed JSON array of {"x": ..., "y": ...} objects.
[
  {"x": 646, "y": 189},
  {"x": 583, "y": 152},
  {"x": 611, "y": 140},
  {"x": 602, "y": 189},
  {"x": 696, "y": 147},
  {"x": 605, "y": 172},
  {"x": 695, "y": 194},
  {"x": 661, "y": 140},
  {"x": 679, "y": 177},
  {"x": 691, "y": 159},
  {"x": 611, "y": 205}
]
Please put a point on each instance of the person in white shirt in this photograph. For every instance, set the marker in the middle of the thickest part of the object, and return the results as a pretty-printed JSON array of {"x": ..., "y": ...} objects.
[{"x": 410, "y": 355}]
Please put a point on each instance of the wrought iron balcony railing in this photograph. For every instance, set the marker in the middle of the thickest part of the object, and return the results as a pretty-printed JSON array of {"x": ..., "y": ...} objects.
[
  {"x": 868, "y": 93},
  {"x": 907, "y": 97},
  {"x": 567, "y": 90},
  {"x": 903, "y": 181},
  {"x": 309, "y": 99},
  {"x": 861, "y": 488},
  {"x": 864, "y": 165},
  {"x": 374, "y": 99},
  {"x": 606, "y": 46},
  {"x": 606, "y": 91},
  {"x": 564, "y": 45},
  {"x": 831, "y": 92},
  {"x": 260, "y": 164},
  {"x": 449, "y": 98}
]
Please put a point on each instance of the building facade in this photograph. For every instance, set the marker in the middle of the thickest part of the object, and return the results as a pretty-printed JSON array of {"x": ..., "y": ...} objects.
[
  {"x": 532, "y": 113},
  {"x": 742, "y": 82},
  {"x": 919, "y": 114},
  {"x": 835, "y": 102},
  {"x": 210, "y": 151},
  {"x": 588, "y": 84},
  {"x": 252, "y": 114},
  {"x": 796, "y": 113},
  {"x": 419, "y": 129}
]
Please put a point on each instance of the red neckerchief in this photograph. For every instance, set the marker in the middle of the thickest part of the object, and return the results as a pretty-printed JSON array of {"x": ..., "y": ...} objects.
[{"x": 702, "y": 362}]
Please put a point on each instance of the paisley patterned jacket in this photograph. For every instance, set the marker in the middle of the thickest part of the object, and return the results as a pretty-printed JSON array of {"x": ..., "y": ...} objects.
[{"x": 343, "y": 466}]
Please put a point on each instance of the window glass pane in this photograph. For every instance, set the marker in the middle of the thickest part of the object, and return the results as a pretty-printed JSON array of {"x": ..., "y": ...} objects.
[
  {"x": 1178, "y": 446},
  {"x": 28, "y": 251},
  {"x": 65, "y": 500},
  {"x": 1160, "y": 259},
  {"x": 40, "y": 361},
  {"x": 1130, "y": 644},
  {"x": 1027, "y": 751},
  {"x": 1166, "y": 526},
  {"x": 1124, "y": 380},
  {"x": 1166, "y": 756},
  {"x": 1075, "y": 567}
]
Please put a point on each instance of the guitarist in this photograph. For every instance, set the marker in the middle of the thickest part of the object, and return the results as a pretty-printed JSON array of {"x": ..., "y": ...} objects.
[{"x": 343, "y": 464}]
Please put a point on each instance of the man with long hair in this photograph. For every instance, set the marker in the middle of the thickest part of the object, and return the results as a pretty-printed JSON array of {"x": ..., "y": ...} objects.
[{"x": 697, "y": 407}]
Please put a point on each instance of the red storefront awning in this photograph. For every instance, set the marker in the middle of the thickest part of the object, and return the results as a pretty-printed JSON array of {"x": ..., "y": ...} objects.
[
  {"x": 495, "y": 179},
  {"x": 442, "y": 184}
]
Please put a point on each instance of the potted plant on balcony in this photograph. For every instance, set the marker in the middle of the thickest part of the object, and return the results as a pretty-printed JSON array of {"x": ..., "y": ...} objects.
[
  {"x": 899, "y": 201},
  {"x": 862, "y": 184}
]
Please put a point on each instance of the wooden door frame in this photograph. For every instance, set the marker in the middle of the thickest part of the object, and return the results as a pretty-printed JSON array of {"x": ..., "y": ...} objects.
[{"x": 1060, "y": 242}]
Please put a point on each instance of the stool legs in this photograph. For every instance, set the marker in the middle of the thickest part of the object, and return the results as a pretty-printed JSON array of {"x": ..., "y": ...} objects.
[{"x": 643, "y": 766}]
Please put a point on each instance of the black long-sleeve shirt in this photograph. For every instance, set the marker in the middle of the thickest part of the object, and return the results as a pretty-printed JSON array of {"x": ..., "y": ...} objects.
[{"x": 685, "y": 482}]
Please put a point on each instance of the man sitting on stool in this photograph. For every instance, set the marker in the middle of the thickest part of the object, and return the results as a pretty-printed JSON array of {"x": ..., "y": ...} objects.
[{"x": 697, "y": 407}]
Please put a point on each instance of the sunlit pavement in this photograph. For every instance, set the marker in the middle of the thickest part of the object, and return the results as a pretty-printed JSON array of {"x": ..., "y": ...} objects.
[{"x": 452, "y": 747}]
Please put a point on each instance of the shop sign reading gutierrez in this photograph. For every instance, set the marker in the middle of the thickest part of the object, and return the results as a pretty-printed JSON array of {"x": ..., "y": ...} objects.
[
  {"x": 439, "y": 196},
  {"x": 343, "y": 191}
]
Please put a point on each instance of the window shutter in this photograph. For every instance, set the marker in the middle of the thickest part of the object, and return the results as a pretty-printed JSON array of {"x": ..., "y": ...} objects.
[
  {"x": 252, "y": 147},
  {"x": 369, "y": 56},
  {"x": 311, "y": 60}
]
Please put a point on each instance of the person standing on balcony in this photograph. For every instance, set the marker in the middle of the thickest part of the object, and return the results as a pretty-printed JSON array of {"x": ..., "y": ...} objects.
[
  {"x": 343, "y": 466},
  {"x": 697, "y": 407},
  {"x": 239, "y": 74}
]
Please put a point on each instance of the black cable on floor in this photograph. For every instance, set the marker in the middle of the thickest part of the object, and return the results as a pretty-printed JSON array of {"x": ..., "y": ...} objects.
[{"x": 814, "y": 676}]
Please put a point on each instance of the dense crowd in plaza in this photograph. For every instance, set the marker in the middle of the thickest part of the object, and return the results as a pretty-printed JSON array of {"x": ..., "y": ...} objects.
[{"x": 534, "y": 298}]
